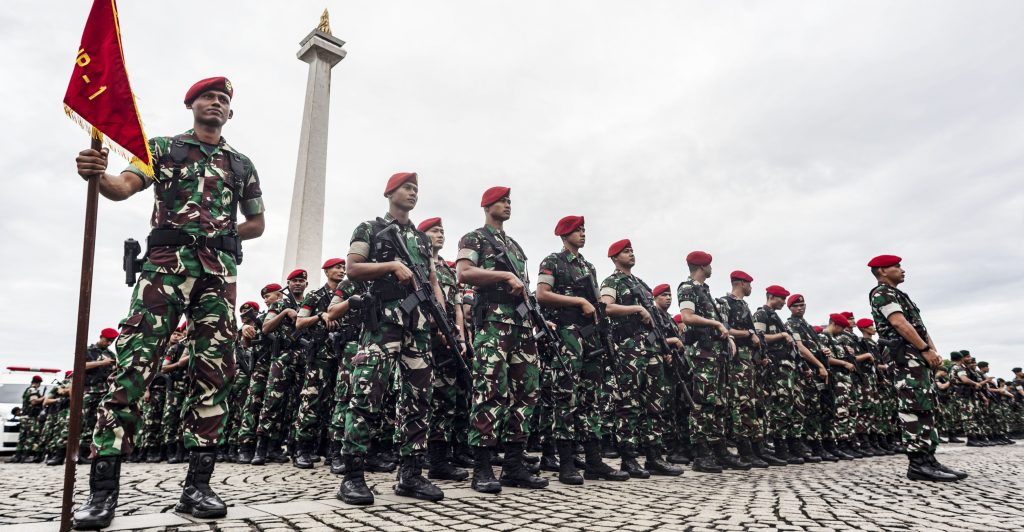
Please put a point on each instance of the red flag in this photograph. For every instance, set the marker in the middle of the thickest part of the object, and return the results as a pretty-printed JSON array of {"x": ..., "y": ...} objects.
[{"x": 99, "y": 94}]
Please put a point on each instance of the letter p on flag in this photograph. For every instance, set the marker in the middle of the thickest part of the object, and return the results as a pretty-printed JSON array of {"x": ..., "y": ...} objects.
[{"x": 99, "y": 95}]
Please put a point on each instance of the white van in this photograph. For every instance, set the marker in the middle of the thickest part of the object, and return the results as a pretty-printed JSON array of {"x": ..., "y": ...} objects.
[{"x": 13, "y": 381}]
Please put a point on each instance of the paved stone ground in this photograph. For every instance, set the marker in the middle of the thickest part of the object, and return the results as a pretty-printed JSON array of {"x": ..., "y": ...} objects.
[{"x": 870, "y": 494}]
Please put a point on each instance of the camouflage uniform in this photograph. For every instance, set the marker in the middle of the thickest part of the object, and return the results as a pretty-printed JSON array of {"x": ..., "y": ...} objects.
[
  {"x": 787, "y": 413},
  {"x": 282, "y": 377},
  {"x": 198, "y": 281},
  {"x": 29, "y": 429},
  {"x": 153, "y": 413},
  {"x": 177, "y": 387},
  {"x": 95, "y": 387},
  {"x": 963, "y": 401},
  {"x": 55, "y": 432},
  {"x": 743, "y": 374},
  {"x": 913, "y": 376},
  {"x": 871, "y": 398},
  {"x": 816, "y": 414},
  {"x": 399, "y": 345},
  {"x": 258, "y": 374},
  {"x": 842, "y": 425},
  {"x": 317, "y": 391},
  {"x": 450, "y": 397},
  {"x": 707, "y": 352},
  {"x": 238, "y": 395},
  {"x": 350, "y": 328},
  {"x": 506, "y": 374}
]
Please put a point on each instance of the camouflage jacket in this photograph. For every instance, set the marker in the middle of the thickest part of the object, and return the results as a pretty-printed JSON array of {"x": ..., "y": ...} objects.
[
  {"x": 956, "y": 371},
  {"x": 803, "y": 332},
  {"x": 568, "y": 275},
  {"x": 886, "y": 301},
  {"x": 27, "y": 407},
  {"x": 739, "y": 317},
  {"x": 206, "y": 189},
  {"x": 286, "y": 329},
  {"x": 365, "y": 243},
  {"x": 99, "y": 375},
  {"x": 353, "y": 319},
  {"x": 767, "y": 320},
  {"x": 316, "y": 302},
  {"x": 696, "y": 296},
  {"x": 475, "y": 247},
  {"x": 619, "y": 286},
  {"x": 449, "y": 285}
]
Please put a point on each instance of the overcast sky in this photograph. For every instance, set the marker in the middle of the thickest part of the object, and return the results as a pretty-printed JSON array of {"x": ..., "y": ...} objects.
[{"x": 793, "y": 140}]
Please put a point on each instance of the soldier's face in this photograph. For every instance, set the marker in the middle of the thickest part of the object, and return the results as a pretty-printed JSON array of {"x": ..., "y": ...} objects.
[
  {"x": 103, "y": 342},
  {"x": 297, "y": 285},
  {"x": 336, "y": 273},
  {"x": 776, "y": 302},
  {"x": 501, "y": 209},
  {"x": 894, "y": 274},
  {"x": 436, "y": 235},
  {"x": 577, "y": 238},
  {"x": 212, "y": 108},
  {"x": 798, "y": 309},
  {"x": 405, "y": 196},
  {"x": 626, "y": 258},
  {"x": 745, "y": 288},
  {"x": 176, "y": 337},
  {"x": 271, "y": 297},
  {"x": 664, "y": 300}
]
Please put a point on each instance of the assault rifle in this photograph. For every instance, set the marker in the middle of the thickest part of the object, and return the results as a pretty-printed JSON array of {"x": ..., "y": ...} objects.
[{"x": 659, "y": 324}]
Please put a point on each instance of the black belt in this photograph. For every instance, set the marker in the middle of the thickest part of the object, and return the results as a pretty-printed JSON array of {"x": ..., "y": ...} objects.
[
  {"x": 498, "y": 298},
  {"x": 177, "y": 238}
]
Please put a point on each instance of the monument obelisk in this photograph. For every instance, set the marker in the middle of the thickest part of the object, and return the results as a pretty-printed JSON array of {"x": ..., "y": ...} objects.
[{"x": 306, "y": 222}]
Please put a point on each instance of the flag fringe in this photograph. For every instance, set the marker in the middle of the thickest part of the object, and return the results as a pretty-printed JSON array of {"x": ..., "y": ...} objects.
[{"x": 113, "y": 146}]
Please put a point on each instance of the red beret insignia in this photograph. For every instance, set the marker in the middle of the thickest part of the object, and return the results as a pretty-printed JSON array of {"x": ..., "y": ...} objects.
[
  {"x": 740, "y": 275},
  {"x": 425, "y": 225},
  {"x": 794, "y": 299},
  {"x": 884, "y": 261},
  {"x": 330, "y": 263},
  {"x": 660, "y": 289},
  {"x": 864, "y": 323},
  {"x": 839, "y": 320},
  {"x": 272, "y": 287},
  {"x": 617, "y": 247},
  {"x": 698, "y": 258},
  {"x": 398, "y": 180},
  {"x": 776, "y": 290},
  {"x": 299, "y": 273},
  {"x": 492, "y": 195},
  {"x": 250, "y": 304},
  {"x": 108, "y": 333},
  {"x": 567, "y": 225},
  {"x": 218, "y": 83}
]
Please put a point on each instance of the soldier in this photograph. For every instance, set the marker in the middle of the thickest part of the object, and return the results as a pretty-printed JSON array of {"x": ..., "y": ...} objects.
[
  {"x": 262, "y": 352},
  {"x": 398, "y": 345},
  {"x": 273, "y": 428},
  {"x": 902, "y": 330},
  {"x": 709, "y": 347},
  {"x": 175, "y": 367},
  {"x": 963, "y": 396},
  {"x": 450, "y": 397},
  {"x": 28, "y": 429},
  {"x": 567, "y": 289},
  {"x": 506, "y": 373},
  {"x": 99, "y": 360},
  {"x": 818, "y": 387},
  {"x": 321, "y": 367},
  {"x": 744, "y": 369},
  {"x": 877, "y": 427},
  {"x": 153, "y": 412},
  {"x": 347, "y": 309},
  {"x": 244, "y": 357},
  {"x": 55, "y": 432},
  {"x": 843, "y": 365},
  {"x": 190, "y": 269}
]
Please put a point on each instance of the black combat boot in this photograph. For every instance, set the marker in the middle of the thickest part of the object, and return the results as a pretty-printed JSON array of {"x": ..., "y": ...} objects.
[
  {"x": 514, "y": 473},
  {"x": 729, "y": 460},
  {"x": 84, "y": 450},
  {"x": 595, "y": 468},
  {"x": 703, "y": 461},
  {"x": 975, "y": 441},
  {"x": 930, "y": 458},
  {"x": 39, "y": 457},
  {"x": 245, "y": 452},
  {"x": 16, "y": 459},
  {"x": 680, "y": 454},
  {"x": 608, "y": 449},
  {"x": 921, "y": 469},
  {"x": 303, "y": 458},
  {"x": 819, "y": 450},
  {"x": 629, "y": 464},
  {"x": 462, "y": 454},
  {"x": 883, "y": 445},
  {"x": 376, "y": 461},
  {"x": 783, "y": 451},
  {"x": 549, "y": 456},
  {"x": 232, "y": 454},
  {"x": 179, "y": 453},
  {"x": 483, "y": 476},
  {"x": 222, "y": 454},
  {"x": 56, "y": 458},
  {"x": 98, "y": 510},
  {"x": 954, "y": 439},
  {"x": 832, "y": 447},
  {"x": 850, "y": 447},
  {"x": 868, "y": 446},
  {"x": 656, "y": 465},
  {"x": 259, "y": 457},
  {"x": 440, "y": 468},
  {"x": 762, "y": 452},
  {"x": 144, "y": 455},
  {"x": 353, "y": 489},
  {"x": 334, "y": 459},
  {"x": 533, "y": 444},
  {"x": 275, "y": 454},
  {"x": 746, "y": 450},
  {"x": 161, "y": 456},
  {"x": 798, "y": 448},
  {"x": 567, "y": 472},
  {"x": 412, "y": 484},
  {"x": 197, "y": 498}
]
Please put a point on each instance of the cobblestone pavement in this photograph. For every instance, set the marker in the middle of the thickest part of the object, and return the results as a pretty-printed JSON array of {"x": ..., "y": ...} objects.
[{"x": 871, "y": 494}]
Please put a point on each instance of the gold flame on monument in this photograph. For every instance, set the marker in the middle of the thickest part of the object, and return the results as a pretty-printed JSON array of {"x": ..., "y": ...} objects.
[{"x": 325, "y": 23}]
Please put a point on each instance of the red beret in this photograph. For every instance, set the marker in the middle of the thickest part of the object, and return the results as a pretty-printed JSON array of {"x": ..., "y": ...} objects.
[
  {"x": 297, "y": 273},
  {"x": 272, "y": 287},
  {"x": 332, "y": 262},
  {"x": 794, "y": 299},
  {"x": 219, "y": 83},
  {"x": 818, "y": 328},
  {"x": 398, "y": 180},
  {"x": 884, "y": 261},
  {"x": 67, "y": 373},
  {"x": 739, "y": 274},
  {"x": 567, "y": 225},
  {"x": 450, "y": 263},
  {"x": 698, "y": 258},
  {"x": 617, "y": 247},
  {"x": 108, "y": 333},
  {"x": 847, "y": 314},
  {"x": 37, "y": 378},
  {"x": 839, "y": 320},
  {"x": 864, "y": 323},
  {"x": 678, "y": 318},
  {"x": 776, "y": 290},
  {"x": 253, "y": 304},
  {"x": 425, "y": 225},
  {"x": 493, "y": 194},
  {"x": 660, "y": 289}
]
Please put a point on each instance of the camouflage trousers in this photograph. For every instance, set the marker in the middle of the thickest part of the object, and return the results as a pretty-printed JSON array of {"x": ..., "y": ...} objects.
[
  {"x": 640, "y": 376},
  {"x": 677, "y": 411},
  {"x": 152, "y": 416},
  {"x": 158, "y": 302},
  {"x": 171, "y": 430},
  {"x": 90, "y": 404},
  {"x": 276, "y": 412},
  {"x": 28, "y": 440},
  {"x": 889, "y": 407},
  {"x": 316, "y": 394},
  {"x": 253, "y": 401},
  {"x": 239, "y": 392},
  {"x": 506, "y": 377},
  {"x": 841, "y": 426},
  {"x": 342, "y": 392},
  {"x": 787, "y": 412},
  {"x": 450, "y": 397},
  {"x": 57, "y": 432},
  {"x": 710, "y": 409},
  {"x": 398, "y": 349},
  {"x": 916, "y": 394},
  {"x": 815, "y": 417},
  {"x": 575, "y": 407},
  {"x": 742, "y": 396}
]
